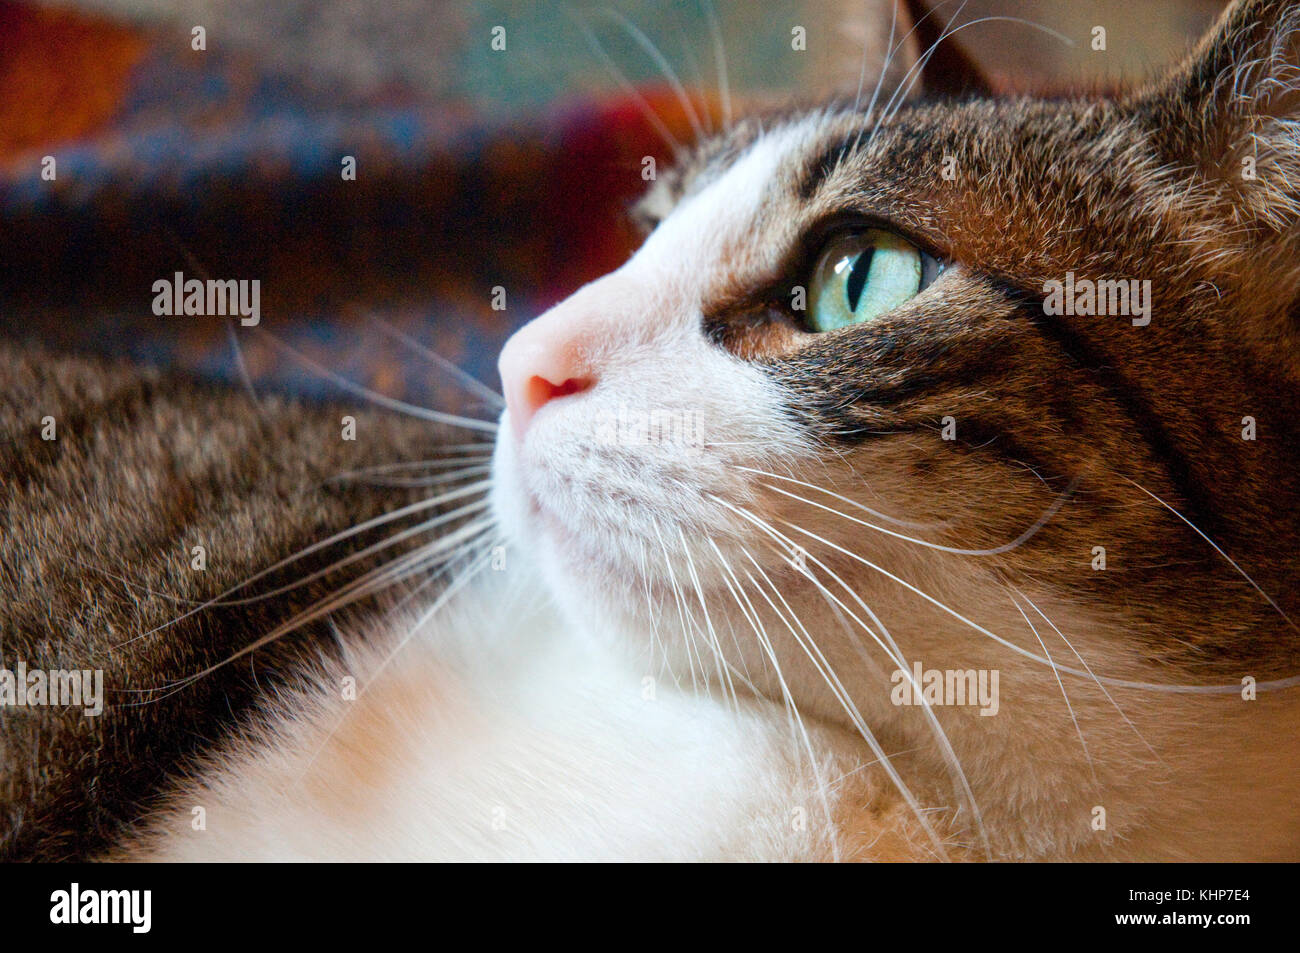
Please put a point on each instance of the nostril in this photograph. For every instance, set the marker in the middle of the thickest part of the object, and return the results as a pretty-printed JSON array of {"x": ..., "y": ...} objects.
[
  {"x": 574, "y": 385},
  {"x": 531, "y": 393},
  {"x": 540, "y": 390}
]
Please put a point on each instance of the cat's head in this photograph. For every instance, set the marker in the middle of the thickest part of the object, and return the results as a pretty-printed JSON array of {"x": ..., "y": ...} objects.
[{"x": 992, "y": 385}]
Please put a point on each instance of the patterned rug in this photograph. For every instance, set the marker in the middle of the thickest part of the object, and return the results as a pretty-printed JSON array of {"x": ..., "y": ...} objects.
[{"x": 127, "y": 156}]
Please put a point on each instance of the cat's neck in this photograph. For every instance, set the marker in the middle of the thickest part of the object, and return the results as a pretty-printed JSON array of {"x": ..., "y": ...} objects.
[{"x": 499, "y": 734}]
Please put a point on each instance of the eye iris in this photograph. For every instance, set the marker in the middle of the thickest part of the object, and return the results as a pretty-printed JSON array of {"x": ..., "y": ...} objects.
[
  {"x": 862, "y": 275},
  {"x": 858, "y": 278}
]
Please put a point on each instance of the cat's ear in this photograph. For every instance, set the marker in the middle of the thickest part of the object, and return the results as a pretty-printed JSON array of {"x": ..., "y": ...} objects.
[
  {"x": 898, "y": 45},
  {"x": 946, "y": 69},
  {"x": 1228, "y": 117}
]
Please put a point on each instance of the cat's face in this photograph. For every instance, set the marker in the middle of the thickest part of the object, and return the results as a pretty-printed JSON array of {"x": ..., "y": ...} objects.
[{"x": 828, "y": 423}]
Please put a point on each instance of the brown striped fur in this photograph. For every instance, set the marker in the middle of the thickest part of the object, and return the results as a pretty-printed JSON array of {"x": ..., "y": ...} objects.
[{"x": 95, "y": 550}]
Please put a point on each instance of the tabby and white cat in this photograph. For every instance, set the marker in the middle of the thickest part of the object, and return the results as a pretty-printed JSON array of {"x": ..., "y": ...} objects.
[{"x": 823, "y": 436}]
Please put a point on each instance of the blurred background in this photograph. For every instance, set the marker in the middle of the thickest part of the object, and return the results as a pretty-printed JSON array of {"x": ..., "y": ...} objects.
[{"x": 476, "y": 167}]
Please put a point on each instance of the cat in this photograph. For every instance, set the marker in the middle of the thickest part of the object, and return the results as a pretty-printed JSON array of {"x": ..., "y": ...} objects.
[{"x": 777, "y": 508}]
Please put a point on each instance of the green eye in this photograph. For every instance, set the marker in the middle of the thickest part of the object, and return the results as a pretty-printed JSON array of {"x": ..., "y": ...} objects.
[{"x": 865, "y": 274}]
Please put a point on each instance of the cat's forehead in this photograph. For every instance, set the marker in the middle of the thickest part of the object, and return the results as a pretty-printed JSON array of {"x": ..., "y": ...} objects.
[
  {"x": 789, "y": 138},
  {"x": 997, "y": 181},
  {"x": 771, "y": 176},
  {"x": 732, "y": 204}
]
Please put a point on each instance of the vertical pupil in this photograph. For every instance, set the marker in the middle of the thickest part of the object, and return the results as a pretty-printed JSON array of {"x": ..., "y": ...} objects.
[{"x": 858, "y": 278}]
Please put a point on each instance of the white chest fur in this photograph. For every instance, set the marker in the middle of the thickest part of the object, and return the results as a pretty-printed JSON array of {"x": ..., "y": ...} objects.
[{"x": 495, "y": 734}]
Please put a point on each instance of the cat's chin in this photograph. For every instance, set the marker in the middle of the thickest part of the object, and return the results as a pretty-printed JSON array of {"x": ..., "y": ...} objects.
[
  {"x": 571, "y": 564},
  {"x": 576, "y": 547},
  {"x": 530, "y": 526},
  {"x": 631, "y": 567},
  {"x": 597, "y": 589}
]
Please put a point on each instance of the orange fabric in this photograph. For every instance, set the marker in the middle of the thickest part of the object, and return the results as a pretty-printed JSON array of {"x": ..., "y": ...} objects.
[{"x": 62, "y": 75}]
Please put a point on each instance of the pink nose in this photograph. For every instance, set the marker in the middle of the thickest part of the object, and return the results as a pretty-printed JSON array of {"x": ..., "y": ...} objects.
[{"x": 543, "y": 361}]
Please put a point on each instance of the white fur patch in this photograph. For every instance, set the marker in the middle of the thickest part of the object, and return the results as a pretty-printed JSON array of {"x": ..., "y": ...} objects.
[{"x": 496, "y": 735}]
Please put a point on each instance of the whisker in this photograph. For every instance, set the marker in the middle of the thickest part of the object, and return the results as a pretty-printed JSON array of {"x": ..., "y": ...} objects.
[
  {"x": 337, "y": 537},
  {"x": 427, "y": 481},
  {"x": 797, "y": 724},
  {"x": 904, "y": 86},
  {"x": 723, "y": 672},
  {"x": 843, "y": 499},
  {"x": 1020, "y": 540},
  {"x": 241, "y": 366},
  {"x": 688, "y": 629},
  {"x": 1215, "y": 547},
  {"x": 387, "y": 542},
  {"x": 397, "y": 514},
  {"x": 925, "y": 58},
  {"x": 884, "y": 67},
  {"x": 846, "y": 701},
  {"x": 653, "y": 615},
  {"x": 1275, "y": 684},
  {"x": 383, "y": 400},
  {"x": 652, "y": 117},
  {"x": 477, "y": 456},
  {"x": 697, "y": 91},
  {"x": 826, "y": 674},
  {"x": 665, "y": 67},
  {"x": 720, "y": 58},
  {"x": 236, "y": 349},
  {"x": 895, "y": 654},
  {"x": 366, "y": 585},
  {"x": 1084, "y": 663},
  {"x": 841, "y": 694},
  {"x": 467, "y": 380},
  {"x": 443, "y": 598},
  {"x": 1064, "y": 694}
]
